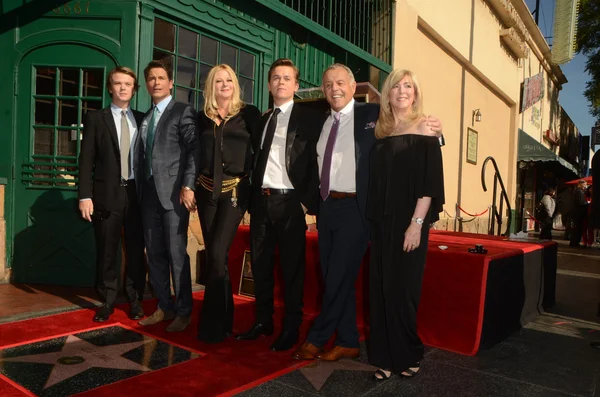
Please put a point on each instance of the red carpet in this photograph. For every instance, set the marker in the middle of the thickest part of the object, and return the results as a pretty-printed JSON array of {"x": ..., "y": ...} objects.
[
  {"x": 468, "y": 300},
  {"x": 221, "y": 370}
]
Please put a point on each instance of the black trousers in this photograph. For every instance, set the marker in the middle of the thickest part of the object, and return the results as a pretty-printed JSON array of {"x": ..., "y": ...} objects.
[
  {"x": 577, "y": 231},
  {"x": 107, "y": 230},
  {"x": 219, "y": 220},
  {"x": 278, "y": 220},
  {"x": 343, "y": 241},
  {"x": 546, "y": 227},
  {"x": 165, "y": 234}
]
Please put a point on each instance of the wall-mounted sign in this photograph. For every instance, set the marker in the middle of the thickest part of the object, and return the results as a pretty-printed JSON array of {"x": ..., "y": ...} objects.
[
  {"x": 551, "y": 137},
  {"x": 595, "y": 135},
  {"x": 533, "y": 91},
  {"x": 471, "y": 146},
  {"x": 536, "y": 116}
]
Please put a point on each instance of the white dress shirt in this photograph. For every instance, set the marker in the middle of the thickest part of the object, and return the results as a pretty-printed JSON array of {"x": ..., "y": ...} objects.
[
  {"x": 116, "y": 112},
  {"x": 342, "y": 177},
  {"x": 276, "y": 176}
]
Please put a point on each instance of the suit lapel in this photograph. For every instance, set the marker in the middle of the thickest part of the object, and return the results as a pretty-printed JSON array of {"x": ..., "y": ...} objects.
[
  {"x": 138, "y": 151},
  {"x": 359, "y": 122},
  {"x": 291, "y": 135},
  {"x": 109, "y": 120},
  {"x": 259, "y": 137}
]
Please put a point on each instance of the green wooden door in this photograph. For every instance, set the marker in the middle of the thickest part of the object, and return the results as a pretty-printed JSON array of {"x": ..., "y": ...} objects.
[{"x": 58, "y": 84}]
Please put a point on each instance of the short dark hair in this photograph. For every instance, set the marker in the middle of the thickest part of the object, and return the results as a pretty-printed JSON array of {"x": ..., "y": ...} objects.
[
  {"x": 123, "y": 70},
  {"x": 284, "y": 62},
  {"x": 159, "y": 64}
]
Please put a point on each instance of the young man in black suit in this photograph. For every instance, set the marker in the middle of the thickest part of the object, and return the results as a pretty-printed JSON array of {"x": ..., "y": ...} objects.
[
  {"x": 107, "y": 193},
  {"x": 285, "y": 187},
  {"x": 343, "y": 153},
  {"x": 165, "y": 164}
]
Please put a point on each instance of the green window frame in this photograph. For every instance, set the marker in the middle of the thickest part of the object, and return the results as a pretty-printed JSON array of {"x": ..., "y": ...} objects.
[
  {"x": 61, "y": 96},
  {"x": 192, "y": 53}
]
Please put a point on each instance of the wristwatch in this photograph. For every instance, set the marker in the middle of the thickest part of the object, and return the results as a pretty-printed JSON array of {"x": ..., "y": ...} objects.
[{"x": 418, "y": 221}]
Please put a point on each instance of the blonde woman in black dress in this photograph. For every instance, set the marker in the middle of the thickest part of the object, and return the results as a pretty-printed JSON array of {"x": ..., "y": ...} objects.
[{"x": 406, "y": 193}]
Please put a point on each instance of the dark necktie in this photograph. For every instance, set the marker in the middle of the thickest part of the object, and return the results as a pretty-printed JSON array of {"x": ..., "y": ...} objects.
[
  {"x": 150, "y": 144},
  {"x": 218, "y": 159},
  {"x": 263, "y": 157},
  {"x": 326, "y": 171}
]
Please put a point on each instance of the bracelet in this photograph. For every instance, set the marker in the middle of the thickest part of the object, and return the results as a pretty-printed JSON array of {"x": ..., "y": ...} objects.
[{"x": 186, "y": 188}]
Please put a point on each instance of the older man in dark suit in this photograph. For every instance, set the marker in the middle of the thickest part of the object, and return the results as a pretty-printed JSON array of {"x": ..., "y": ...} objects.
[
  {"x": 107, "y": 193},
  {"x": 165, "y": 171},
  {"x": 343, "y": 157}
]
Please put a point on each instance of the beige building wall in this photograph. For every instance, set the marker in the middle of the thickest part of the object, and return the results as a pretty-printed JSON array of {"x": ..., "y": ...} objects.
[
  {"x": 462, "y": 66},
  {"x": 458, "y": 23}
]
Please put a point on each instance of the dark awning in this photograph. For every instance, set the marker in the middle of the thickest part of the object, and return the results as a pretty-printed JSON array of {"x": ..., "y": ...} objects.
[{"x": 532, "y": 150}]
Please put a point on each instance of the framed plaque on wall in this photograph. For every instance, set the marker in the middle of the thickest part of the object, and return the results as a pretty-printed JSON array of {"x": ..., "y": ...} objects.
[{"x": 471, "y": 146}]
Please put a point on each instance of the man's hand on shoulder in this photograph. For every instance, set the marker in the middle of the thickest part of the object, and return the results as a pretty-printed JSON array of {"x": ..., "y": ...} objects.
[{"x": 435, "y": 126}]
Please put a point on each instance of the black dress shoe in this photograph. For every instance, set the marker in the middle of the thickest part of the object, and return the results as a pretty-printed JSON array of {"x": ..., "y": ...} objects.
[
  {"x": 136, "y": 312},
  {"x": 595, "y": 345},
  {"x": 256, "y": 331},
  {"x": 103, "y": 313},
  {"x": 285, "y": 341}
]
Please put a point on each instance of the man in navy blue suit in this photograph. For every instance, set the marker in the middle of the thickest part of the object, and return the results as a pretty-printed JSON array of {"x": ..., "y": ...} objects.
[{"x": 343, "y": 158}]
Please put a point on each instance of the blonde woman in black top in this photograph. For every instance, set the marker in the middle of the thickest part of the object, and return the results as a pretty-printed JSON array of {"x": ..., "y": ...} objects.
[{"x": 226, "y": 127}]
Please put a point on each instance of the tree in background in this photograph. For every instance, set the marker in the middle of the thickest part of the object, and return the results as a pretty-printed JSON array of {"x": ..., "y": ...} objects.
[{"x": 588, "y": 41}]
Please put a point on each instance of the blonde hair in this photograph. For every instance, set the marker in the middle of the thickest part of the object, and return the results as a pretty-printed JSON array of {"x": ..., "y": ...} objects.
[
  {"x": 386, "y": 122},
  {"x": 211, "y": 108}
]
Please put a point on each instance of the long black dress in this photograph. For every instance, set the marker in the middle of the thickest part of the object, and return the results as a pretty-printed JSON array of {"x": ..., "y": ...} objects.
[
  {"x": 226, "y": 150},
  {"x": 403, "y": 169}
]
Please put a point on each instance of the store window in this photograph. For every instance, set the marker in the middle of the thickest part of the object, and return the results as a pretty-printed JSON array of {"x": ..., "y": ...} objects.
[
  {"x": 192, "y": 54},
  {"x": 61, "y": 97}
]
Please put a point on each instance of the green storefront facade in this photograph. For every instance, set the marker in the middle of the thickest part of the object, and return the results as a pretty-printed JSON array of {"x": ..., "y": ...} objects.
[{"x": 55, "y": 57}]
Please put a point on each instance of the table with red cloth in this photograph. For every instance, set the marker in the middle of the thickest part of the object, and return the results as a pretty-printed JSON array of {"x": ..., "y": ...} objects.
[{"x": 468, "y": 300}]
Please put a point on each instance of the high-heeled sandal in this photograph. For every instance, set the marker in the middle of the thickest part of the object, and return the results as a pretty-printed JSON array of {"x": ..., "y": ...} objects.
[
  {"x": 411, "y": 371},
  {"x": 382, "y": 375}
]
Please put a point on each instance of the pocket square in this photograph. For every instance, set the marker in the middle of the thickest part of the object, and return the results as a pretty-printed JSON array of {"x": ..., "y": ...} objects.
[{"x": 370, "y": 125}]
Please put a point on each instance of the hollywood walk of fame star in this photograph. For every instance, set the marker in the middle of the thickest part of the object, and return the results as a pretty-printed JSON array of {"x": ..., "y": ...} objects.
[
  {"x": 78, "y": 355},
  {"x": 318, "y": 372}
]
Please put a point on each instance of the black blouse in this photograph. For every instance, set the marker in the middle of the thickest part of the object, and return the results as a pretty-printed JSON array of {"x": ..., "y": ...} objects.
[{"x": 236, "y": 152}]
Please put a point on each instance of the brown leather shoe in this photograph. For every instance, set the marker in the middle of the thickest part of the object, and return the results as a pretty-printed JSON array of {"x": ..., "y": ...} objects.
[
  {"x": 307, "y": 351},
  {"x": 339, "y": 352},
  {"x": 158, "y": 316},
  {"x": 179, "y": 324}
]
